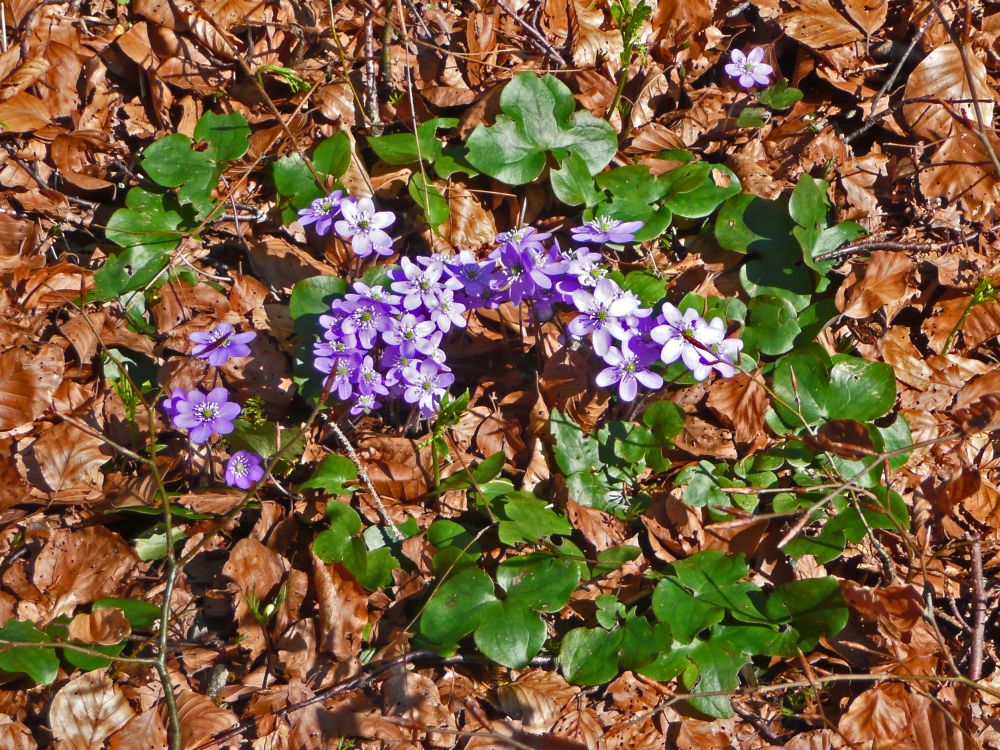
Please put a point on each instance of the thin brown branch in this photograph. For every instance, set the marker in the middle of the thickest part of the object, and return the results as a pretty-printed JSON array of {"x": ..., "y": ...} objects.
[
  {"x": 867, "y": 245},
  {"x": 977, "y": 637},
  {"x": 534, "y": 34}
]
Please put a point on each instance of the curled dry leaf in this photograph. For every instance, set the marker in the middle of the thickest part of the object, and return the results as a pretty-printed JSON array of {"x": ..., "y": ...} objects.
[
  {"x": 741, "y": 400},
  {"x": 144, "y": 731},
  {"x": 883, "y": 281},
  {"x": 410, "y": 695},
  {"x": 201, "y": 718},
  {"x": 256, "y": 571},
  {"x": 535, "y": 698},
  {"x": 842, "y": 437},
  {"x": 942, "y": 76},
  {"x": 982, "y": 415},
  {"x": 86, "y": 710},
  {"x": 15, "y": 736},
  {"x": 68, "y": 459},
  {"x": 818, "y": 25},
  {"x": 343, "y": 610},
  {"x": 588, "y": 41},
  {"x": 469, "y": 225},
  {"x": 28, "y": 384},
  {"x": 868, "y": 14},
  {"x": 74, "y": 154},
  {"x": 78, "y": 567},
  {"x": 102, "y": 626},
  {"x": 891, "y": 716}
]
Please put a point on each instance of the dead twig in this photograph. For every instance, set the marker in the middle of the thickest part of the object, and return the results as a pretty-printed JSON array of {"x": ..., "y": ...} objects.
[
  {"x": 866, "y": 245},
  {"x": 977, "y": 638},
  {"x": 534, "y": 34}
]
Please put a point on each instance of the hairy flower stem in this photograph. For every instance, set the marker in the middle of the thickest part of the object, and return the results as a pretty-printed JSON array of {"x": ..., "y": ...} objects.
[{"x": 363, "y": 474}]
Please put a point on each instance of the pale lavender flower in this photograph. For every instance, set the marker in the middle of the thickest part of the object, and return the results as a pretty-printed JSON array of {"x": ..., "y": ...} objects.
[
  {"x": 420, "y": 286},
  {"x": 408, "y": 329},
  {"x": 629, "y": 370},
  {"x": 364, "y": 227},
  {"x": 369, "y": 379},
  {"x": 724, "y": 356},
  {"x": 750, "y": 69},
  {"x": 203, "y": 415},
  {"x": 366, "y": 321},
  {"x": 677, "y": 333},
  {"x": 523, "y": 238},
  {"x": 600, "y": 314},
  {"x": 170, "y": 402},
  {"x": 607, "y": 230},
  {"x": 244, "y": 470},
  {"x": 322, "y": 212},
  {"x": 341, "y": 380},
  {"x": 220, "y": 344},
  {"x": 365, "y": 404},
  {"x": 447, "y": 312},
  {"x": 426, "y": 384}
]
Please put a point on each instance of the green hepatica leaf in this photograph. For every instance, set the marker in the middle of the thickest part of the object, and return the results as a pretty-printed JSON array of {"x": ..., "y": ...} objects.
[
  {"x": 697, "y": 189},
  {"x": 779, "y": 96},
  {"x": 801, "y": 380},
  {"x": 575, "y": 450},
  {"x": 859, "y": 389},
  {"x": 538, "y": 117},
  {"x": 40, "y": 664},
  {"x": 686, "y": 614},
  {"x": 149, "y": 222},
  {"x": 429, "y": 198},
  {"x": 813, "y": 606},
  {"x": 331, "y": 474},
  {"x": 311, "y": 298},
  {"x": 573, "y": 184},
  {"x": 227, "y": 135},
  {"x": 772, "y": 325},
  {"x": 589, "y": 656},
  {"x": 539, "y": 582},
  {"x": 526, "y": 518},
  {"x": 717, "y": 578},
  {"x": 293, "y": 180},
  {"x": 509, "y": 633},
  {"x": 457, "y": 607},
  {"x": 333, "y": 155}
]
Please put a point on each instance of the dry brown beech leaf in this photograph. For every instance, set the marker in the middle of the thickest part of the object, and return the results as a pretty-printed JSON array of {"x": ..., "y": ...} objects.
[
  {"x": 86, "y": 710},
  {"x": 78, "y": 567},
  {"x": 343, "y": 609},
  {"x": 890, "y": 716},
  {"x": 588, "y": 40},
  {"x": 28, "y": 384},
  {"x": 884, "y": 282},
  {"x": 103, "y": 626},
  {"x": 741, "y": 400},
  {"x": 868, "y": 14},
  {"x": 69, "y": 459},
  {"x": 942, "y": 76},
  {"x": 201, "y": 718},
  {"x": 144, "y": 731},
  {"x": 258, "y": 571}
]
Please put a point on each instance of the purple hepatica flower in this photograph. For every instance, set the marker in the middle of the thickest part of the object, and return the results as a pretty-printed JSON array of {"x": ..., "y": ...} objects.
[
  {"x": 724, "y": 356},
  {"x": 394, "y": 361},
  {"x": 365, "y": 404},
  {"x": 385, "y": 300},
  {"x": 606, "y": 230},
  {"x": 420, "y": 285},
  {"x": 600, "y": 314},
  {"x": 447, "y": 312},
  {"x": 202, "y": 414},
  {"x": 366, "y": 322},
  {"x": 426, "y": 383},
  {"x": 170, "y": 402},
  {"x": 221, "y": 343},
  {"x": 341, "y": 378},
  {"x": 369, "y": 379},
  {"x": 630, "y": 370},
  {"x": 322, "y": 212},
  {"x": 524, "y": 238},
  {"x": 408, "y": 329},
  {"x": 244, "y": 470},
  {"x": 328, "y": 354},
  {"x": 676, "y": 332},
  {"x": 583, "y": 269},
  {"x": 364, "y": 227},
  {"x": 529, "y": 271},
  {"x": 749, "y": 69},
  {"x": 474, "y": 277}
]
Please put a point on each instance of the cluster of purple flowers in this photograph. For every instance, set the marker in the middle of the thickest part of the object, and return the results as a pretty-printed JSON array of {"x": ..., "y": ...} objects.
[
  {"x": 381, "y": 343},
  {"x": 203, "y": 415},
  {"x": 353, "y": 219}
]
